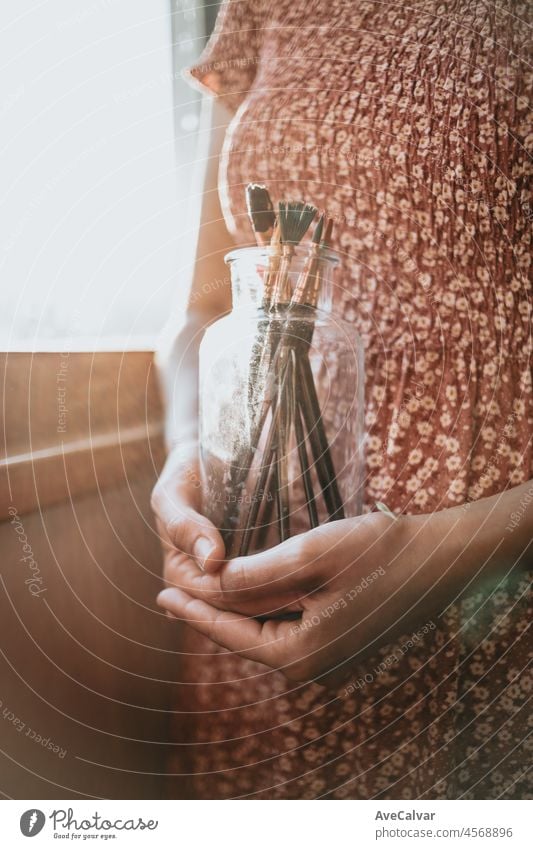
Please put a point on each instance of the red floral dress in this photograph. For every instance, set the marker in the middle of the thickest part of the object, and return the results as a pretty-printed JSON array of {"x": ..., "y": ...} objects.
[{"x": 410, "y": 125}]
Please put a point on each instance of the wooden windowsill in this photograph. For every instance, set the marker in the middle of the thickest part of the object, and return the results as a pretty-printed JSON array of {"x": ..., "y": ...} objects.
[{"x": 75, "y": 423}]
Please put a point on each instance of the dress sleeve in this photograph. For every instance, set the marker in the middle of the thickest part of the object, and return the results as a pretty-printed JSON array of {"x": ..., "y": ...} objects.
[{"x": 227, "y": 66}]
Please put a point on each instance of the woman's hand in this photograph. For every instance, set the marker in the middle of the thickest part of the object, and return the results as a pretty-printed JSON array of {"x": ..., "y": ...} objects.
[
  {"x": 190, "y": 541},
  {"x": 193, "y": 547},
  {"x": 358, "y": 583}
]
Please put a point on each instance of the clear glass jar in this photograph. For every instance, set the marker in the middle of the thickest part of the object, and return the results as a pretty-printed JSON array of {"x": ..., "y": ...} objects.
[{"x": 281, "y": 409}]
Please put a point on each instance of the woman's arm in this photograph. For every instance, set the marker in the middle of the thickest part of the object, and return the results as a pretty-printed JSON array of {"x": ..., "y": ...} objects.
[
  {"x": 176, "y": 496},
  {"x": 358, "y": 583},
  {"x": 487, "y": 537},
  {"x": 208, "y": 298}
]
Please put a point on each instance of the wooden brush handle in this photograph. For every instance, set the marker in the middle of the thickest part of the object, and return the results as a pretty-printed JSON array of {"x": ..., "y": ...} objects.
[
  {"x": 312, "y": 416},
  {"x": 271, "y": 447}
]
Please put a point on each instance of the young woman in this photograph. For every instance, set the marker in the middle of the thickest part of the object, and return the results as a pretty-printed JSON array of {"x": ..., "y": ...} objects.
[{"x": 409, "y": 125}]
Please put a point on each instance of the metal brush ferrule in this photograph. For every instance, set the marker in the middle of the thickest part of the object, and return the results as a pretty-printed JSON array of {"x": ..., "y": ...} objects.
[
  {"x": 282, "y": 291},
  {"x": 308, "y": 285}
]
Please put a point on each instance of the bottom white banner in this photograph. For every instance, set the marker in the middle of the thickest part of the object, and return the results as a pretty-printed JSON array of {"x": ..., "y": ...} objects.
[{"x": 241, "y": 824}]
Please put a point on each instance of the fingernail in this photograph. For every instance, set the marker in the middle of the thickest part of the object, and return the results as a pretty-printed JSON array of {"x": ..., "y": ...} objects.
[
  {"x": 202, "y": 549},
  {"x": 161, "y": 598}
]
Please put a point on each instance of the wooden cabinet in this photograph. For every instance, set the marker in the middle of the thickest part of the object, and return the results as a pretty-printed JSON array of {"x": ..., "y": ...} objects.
[{"x": 86, "y": 658}]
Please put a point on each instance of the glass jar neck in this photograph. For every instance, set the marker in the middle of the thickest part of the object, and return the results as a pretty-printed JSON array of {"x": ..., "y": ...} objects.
[{"x": 264, "y": 278}]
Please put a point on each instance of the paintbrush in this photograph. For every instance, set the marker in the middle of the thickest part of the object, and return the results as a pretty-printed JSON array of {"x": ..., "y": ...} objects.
[
  {"x": 308, "y": 285},
  {"x": 286, "y": 337},
  {"x": 266, "y": 368},
  {"x": 294, "y": 219},
  {"x": 304, "y": 303},
  {"x": 263, "y": 220},
  {"x": 287, "y": 398},
  {"x": 306, "y": 295},
  {"x": 260, "y": 211}
]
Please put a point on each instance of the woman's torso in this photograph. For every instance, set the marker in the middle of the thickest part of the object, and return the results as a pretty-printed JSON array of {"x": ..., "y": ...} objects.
[{"x": 409, "y": 126}]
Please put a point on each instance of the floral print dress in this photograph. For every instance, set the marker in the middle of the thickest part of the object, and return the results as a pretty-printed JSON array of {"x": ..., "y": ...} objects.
[{"x": 410, "y": 125}]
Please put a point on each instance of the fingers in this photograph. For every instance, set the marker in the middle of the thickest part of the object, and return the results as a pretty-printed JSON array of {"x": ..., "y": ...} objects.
[
  {"x": 196, "y": 536},
  {"x": 182, "y": 571},
  {"x": 292, "y": 568},
  {"x": 266, "y": 642},
  {"x": 186, "y": 529}
]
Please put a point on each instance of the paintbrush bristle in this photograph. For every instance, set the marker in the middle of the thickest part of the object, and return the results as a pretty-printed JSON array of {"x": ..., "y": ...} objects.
[
  {"x": 260, "y": 207},
  {"x": 294, "y": 220}
]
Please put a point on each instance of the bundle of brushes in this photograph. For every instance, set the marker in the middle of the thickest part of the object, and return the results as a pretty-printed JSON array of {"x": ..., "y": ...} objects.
[{"x": 282, "y": 396}]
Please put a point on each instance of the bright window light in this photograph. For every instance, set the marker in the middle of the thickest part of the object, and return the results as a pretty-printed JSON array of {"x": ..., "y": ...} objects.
[{"x": 97, "y": 148}]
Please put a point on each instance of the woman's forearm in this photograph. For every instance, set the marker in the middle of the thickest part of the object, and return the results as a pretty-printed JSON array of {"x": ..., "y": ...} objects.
[
  {"x": 180, "y": 377},
  {"x": 498, "y": 531},
  {"x": 459, "y": 548},
  {"x": 208, "y": 298}
]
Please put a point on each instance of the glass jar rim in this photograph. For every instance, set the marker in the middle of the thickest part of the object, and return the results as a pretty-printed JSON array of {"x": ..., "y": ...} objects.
[{"x": 263, "y": 252}]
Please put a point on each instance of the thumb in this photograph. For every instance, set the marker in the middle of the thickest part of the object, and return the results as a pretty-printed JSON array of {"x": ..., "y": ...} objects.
[
  {"x": 196, "y": 536},
  {"x": 291, "y": 567},
  {"x": 187, "y": 530}
]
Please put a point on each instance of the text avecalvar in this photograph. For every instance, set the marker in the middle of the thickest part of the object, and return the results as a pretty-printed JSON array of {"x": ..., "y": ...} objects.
[{"x": 404, "y": 815}]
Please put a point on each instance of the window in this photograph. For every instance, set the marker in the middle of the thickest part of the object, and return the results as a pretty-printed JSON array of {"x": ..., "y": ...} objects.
[{"x": 98, "y": 143}]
